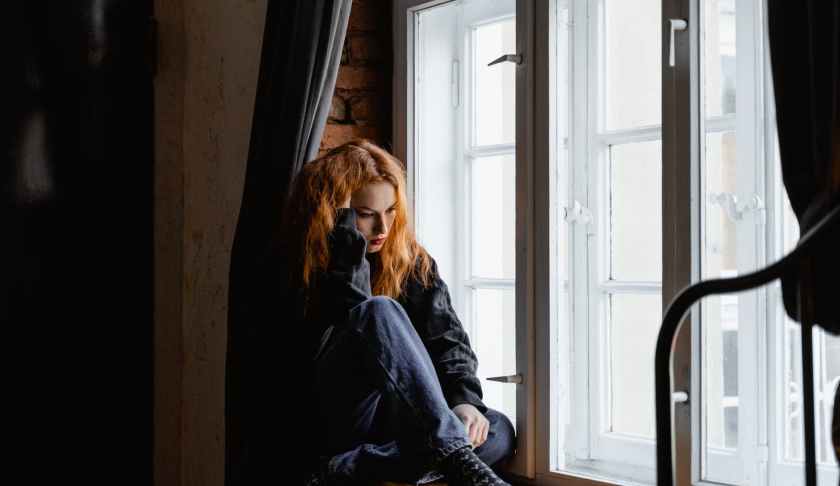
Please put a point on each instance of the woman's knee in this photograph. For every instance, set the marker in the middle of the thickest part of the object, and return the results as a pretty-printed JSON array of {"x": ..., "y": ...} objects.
[
  {"x": 378, "y": 303},
  {"x": 379, "y": 309},
  {"x": 501, "y": 438}
]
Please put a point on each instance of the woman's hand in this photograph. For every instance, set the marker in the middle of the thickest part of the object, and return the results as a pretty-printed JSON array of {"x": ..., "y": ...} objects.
[{"x": 476, "y": 423}]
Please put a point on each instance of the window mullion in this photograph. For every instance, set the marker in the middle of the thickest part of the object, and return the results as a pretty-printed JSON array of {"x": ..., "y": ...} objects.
[{"x": 643, "y": 134}]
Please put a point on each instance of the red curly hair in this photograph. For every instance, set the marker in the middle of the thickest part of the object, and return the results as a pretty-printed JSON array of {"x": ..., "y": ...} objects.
[{"x": 309, "y": 216}]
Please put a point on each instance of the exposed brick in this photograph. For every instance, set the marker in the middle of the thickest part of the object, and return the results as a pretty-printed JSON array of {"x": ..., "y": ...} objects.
[
  {"x": 335, "y": 135},
  {"x": 365, "y": 48},
  {"x": 356, "y": 77},
  {"x": 361, "y": 101},
  {"x": 338, "y": 109},
  {"x": 364, "y": 15},
  {"x": 363, "y": 109}
]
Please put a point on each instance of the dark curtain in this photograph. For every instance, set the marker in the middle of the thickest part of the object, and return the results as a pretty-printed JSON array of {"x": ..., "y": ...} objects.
[
  {"x": 805, "y": 55},
  {"x": 76, "y": 239},
  {"x": 265, "y": 387}
]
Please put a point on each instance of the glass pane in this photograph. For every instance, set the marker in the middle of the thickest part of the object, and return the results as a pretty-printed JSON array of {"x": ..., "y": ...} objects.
[
  {"x": 635, "y": 209},
  {"x": 633, "y": 328},
  {"x": 494, "y": 342},
  {"x": 719, "y": 52},
  {"x": 493, "y": 211},
  {"x": 437, "y": 145},
  {"x": 719, "y": 313},
  {"x": 495, "y": 97},
  {"x": 633, "y": 64}
]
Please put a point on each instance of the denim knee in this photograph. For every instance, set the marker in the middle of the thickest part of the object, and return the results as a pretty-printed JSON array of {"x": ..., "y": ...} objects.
[
  {"x": 501, "y": 442},
  {"x": 378, "y": 309}
]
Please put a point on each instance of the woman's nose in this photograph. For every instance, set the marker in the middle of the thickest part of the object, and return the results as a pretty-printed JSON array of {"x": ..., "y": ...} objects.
[{"x": 381, "y": 225}]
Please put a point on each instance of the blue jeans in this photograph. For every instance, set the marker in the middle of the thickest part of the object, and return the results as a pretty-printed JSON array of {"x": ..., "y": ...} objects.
[{"x": 380, "y": 408}]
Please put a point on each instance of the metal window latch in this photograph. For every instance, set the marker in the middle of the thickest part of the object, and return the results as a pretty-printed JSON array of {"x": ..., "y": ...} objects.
[
  {"x": 517, "y": 378},
  {"x": 676, "y": 24},
  {"x": 514, "y": 58},
  {"x": 578, "y": 213},
  {"x": 680, "y": 397},
  {"x": 735, "y": 211}
]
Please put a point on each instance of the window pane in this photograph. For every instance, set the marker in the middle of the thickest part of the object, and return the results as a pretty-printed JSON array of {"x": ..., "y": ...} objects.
[
  {"x": 633, "y": 63},
  {"x": 719, "y": 313},
  {"x": 719, "y": 50},
  {"x": 720, "y": 370},
  {"x": 494, "y": 342},
  {"x": 635, "y": 209},
  {"x": 436, "y": 129},
  {"x": 493, "y": 212},
  {"x": 633, "y": 328},
  {"x": 495, "y": 119}
]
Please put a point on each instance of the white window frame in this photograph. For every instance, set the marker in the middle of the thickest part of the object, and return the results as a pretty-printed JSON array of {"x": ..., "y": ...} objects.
[
  {"x": 470, "y": 151},
  {"x": 606, "y": 447}
]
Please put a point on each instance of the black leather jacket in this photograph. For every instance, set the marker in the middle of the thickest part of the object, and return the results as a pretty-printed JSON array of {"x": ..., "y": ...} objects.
[{"x": 347, "y": 282}]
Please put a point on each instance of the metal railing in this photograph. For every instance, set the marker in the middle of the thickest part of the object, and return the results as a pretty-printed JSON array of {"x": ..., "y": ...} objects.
[{"x": 797, "y": 258}]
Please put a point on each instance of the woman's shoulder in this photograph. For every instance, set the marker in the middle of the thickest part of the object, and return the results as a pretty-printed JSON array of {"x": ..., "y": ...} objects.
[{"x": 415, "y": 284}]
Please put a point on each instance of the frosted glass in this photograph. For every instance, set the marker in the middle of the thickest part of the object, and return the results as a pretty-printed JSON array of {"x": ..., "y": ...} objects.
[
  {"x": 495, "y": 86},
  {"x": 493, "y": 213},
  {"x": 633, "y": 77},
  {"x": 635, "y": 208},
  {"x": 633, "y": 327}
]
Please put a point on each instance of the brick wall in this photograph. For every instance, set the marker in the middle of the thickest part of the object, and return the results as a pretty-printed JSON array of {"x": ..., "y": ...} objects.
[{"x": 361, "y": 105}]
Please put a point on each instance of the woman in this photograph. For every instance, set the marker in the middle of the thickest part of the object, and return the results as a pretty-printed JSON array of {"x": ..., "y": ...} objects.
[{"x": 394, "y": 373}]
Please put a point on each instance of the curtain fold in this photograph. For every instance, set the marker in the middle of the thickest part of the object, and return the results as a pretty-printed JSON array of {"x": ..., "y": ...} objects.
[
  {"x": 264, "y": 400},
  {"x": 804, "y": 42}
]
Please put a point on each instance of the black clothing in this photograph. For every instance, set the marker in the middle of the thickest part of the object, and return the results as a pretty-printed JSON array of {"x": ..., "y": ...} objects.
[{"x": 346, "y": 282}]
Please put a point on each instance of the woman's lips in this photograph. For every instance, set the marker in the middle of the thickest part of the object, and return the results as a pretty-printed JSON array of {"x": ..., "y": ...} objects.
[{"x": 377, "y": 241}]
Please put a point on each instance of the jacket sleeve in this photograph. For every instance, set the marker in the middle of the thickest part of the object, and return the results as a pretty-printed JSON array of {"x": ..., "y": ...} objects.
[
  {"x": 447, "y": 342},
  {"x": 348, "y": 272},
  {"x": 346, "y": 280}
]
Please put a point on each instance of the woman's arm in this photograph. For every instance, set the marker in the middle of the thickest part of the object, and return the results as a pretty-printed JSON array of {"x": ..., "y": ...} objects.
[
  {"x": 347, "y": 277},
  {"x": 346, "y": 280},
  {"x": 431, "y": 312}
]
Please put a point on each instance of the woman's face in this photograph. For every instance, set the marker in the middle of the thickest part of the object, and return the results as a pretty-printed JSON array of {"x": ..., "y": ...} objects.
[{"x": 375, "y": 210}]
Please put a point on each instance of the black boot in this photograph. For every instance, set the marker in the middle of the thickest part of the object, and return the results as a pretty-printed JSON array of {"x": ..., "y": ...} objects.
[
  {"x": 464, "y": 468},
  {"x": 321, "y": 476}
]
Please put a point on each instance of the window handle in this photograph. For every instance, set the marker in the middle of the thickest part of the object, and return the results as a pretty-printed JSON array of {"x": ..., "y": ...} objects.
[
  {"x": 578, "y": 213},
  {"x": 734, "y": 210},
  {"x": 517, "y": 378},
  {"x": 680, "y": 397},
  {"x": 676, "y": 24},
  {"x": 514, "y": 58}
]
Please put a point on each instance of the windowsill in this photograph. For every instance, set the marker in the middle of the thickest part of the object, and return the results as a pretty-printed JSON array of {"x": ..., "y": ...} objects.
[{"x": 589, "y": 473}]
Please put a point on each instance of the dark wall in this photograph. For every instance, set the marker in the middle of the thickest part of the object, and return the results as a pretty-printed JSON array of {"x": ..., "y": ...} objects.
[{"x": 76, "y": 191}]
